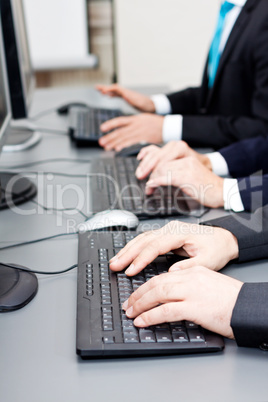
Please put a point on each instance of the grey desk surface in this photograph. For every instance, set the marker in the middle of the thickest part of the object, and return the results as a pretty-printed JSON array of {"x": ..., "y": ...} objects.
[{"x": 37, "y": 344}]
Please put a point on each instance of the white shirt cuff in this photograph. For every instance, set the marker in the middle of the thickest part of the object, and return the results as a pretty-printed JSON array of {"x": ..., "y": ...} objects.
[
  {"x": 218, "y": 163},
  {"x": 231, "y": 196},
  {"x": 172, "y": 128},
  {"x": 162, "y": 104}
]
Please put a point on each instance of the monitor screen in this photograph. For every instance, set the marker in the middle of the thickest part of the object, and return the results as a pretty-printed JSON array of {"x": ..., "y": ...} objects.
[{"x": 20, "y": 72}]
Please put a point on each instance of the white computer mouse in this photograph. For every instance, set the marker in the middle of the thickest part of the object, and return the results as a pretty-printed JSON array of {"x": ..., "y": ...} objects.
[{"x": 110, "y": 218}]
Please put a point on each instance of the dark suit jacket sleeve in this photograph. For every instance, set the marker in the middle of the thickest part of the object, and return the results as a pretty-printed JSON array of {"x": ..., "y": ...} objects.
[
  {"x": 185, "y": 102},
  {"x": 246, "y": 157},
  {"x": 251, "y": 231},
  {"x": 250, "y": 316},
  {"x": 216, "y": 127},
  {"x": 220, "y": 131}
]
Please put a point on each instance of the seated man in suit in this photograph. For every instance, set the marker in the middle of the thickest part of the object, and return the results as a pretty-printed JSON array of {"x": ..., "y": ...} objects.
[
  {"x": 192, "y": 290},
  {"x": 198, "y": 175},
  {"x": 231, "y": 103}
]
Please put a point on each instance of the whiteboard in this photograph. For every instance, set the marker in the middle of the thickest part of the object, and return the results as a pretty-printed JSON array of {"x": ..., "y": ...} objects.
[{"x": 58, "y": 34}]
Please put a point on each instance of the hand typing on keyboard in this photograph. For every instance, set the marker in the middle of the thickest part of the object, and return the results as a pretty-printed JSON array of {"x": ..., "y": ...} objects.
[
  {"x": 152, "y": 156},
  {"x": 196, "y": 294},
  {"x": 192, "y": 177},
  {"x": 199, "y": 295},
  {"x": 129, "y": 130},
  {"x": 135, "y": 99},
  {"x": 212, "y": 247}
]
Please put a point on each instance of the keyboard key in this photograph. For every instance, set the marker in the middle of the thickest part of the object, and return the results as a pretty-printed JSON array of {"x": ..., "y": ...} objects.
[
  {"x": 106, "y": 300},
  {"x": 163, "y": 336},
  {"x": 179, "y": 336},
  {"x": 108, "y": 339},
  {"x": 191, "y": 325},
  {"x": 107, "y": 327},
  {"x": 196, "y": 336},
  {"x": 131, "y": 338},
  {"x": 147, "y": 336}
]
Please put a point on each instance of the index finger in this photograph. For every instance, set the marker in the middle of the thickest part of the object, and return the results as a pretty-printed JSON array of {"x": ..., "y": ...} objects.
[
  {"x": 112, "y": 90},
  {"x": 115, "y": 123},
  {"x": 145, "y": 250}
]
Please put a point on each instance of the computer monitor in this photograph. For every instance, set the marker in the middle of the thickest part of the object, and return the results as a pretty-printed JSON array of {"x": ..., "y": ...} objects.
[
  {"x": 21, "y": 78},
  {"x": 17, "y": 287}
]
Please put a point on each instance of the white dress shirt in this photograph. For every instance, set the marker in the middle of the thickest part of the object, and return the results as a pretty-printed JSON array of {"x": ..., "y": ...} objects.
[
  {"x": 172, "y": 130},
  {"x": 172, "y": 127},
  {"x": 231, "y": 194}
]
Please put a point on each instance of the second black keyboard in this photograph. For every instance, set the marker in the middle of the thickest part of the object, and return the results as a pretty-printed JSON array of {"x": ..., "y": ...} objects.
[{"x": 84, "y": 124}]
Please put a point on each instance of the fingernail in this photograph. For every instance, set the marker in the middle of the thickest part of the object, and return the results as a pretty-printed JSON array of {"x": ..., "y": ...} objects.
[
  {"x": 175, "y": 268},
  {"x": 130, "y": 269},
  {"x": 125, "y": 305},
  {"x": 138, "y": 172},
  {"x": 129, "y": 312},
  {"x": 114, "y": 259},
  {"x": 139, "y": 322},
  {"x": 151, "y": 183}
]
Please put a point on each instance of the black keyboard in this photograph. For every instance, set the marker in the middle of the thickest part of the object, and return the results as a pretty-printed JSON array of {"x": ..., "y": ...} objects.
[
  {"x": 103, "y": 329},
  {"x": 84, "y": 124},
  {"x": 115, "y": 186}
]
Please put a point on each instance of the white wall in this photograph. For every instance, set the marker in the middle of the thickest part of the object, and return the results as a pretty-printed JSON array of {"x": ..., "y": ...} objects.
[{"x": 163, "y": 43}]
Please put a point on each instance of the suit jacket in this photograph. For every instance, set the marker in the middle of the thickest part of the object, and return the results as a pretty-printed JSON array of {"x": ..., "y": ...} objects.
[
  {"x": 236, "y": 107},
  {"x": 247, "y": 160},
  {"x": 250, "y": 315}
]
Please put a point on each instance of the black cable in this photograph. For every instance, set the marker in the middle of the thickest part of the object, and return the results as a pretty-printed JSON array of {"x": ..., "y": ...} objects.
[
  {"x": 58, "y": 209},
  {"x": 51, "y": 130},
  {"x": 34, "y": 271},
  {"x": 44, "y": 161},
  {"x": 26, "y": 243},
  {"x": 79, "y": 176},
  {"x": 61, "y": 110},
  {"x": 43, "y": 113}
]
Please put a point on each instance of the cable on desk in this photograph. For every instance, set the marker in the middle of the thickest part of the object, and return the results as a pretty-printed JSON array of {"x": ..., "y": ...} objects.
[
  {"x": 26, "y": 243},
  {"x": 51, "y": 130},
  {"x": 43, "y": 113},
  {"x": 59, "y": 209},
  {"x": 34, "y": 271},
  {"x": 44, "y": 161},
  {"x": 78, "y": 176},
  {"x": 61, "y": 110}
]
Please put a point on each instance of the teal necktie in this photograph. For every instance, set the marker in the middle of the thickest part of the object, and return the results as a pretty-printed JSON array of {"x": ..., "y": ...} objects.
[{"x": 214, "y": 53}]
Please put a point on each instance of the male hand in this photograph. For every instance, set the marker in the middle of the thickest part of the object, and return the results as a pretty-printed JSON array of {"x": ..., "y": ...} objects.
[
  {"x": 152, "y": 156},
  {"x": 135, "y": 99},
  {"x": 199, "y": 295},
  {"x": 192, "y": 177},
  {"x": 129, "y": 130},
  {"x": 205, "y": 245}
]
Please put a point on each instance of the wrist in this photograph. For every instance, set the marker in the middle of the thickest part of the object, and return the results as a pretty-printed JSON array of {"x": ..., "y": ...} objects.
[
  {"x": 216, "y": 199},
  {"x": 150, "y": 106},
  {"x": 205, "y": 161}
]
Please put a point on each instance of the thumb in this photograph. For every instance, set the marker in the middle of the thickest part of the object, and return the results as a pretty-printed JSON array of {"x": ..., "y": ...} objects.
[{"x": 185, "y": 264}]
